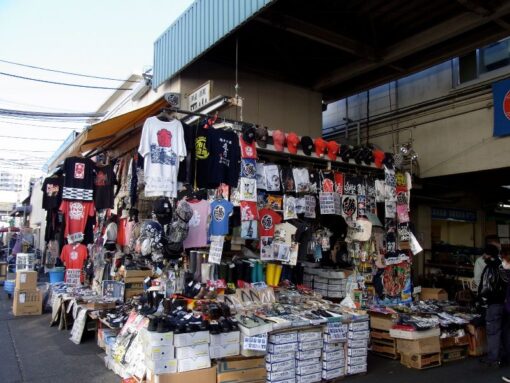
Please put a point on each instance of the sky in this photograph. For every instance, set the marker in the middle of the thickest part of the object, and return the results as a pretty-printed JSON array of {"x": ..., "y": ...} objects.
[{"x": 112, "y": 38}]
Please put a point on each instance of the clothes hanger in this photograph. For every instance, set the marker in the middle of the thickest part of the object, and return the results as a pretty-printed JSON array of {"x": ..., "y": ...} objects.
[{"x": 165, "y": 114}]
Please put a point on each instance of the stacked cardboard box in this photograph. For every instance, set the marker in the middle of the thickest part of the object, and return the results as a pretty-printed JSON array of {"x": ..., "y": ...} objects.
[
  {"x": 192, "y": 351},
  {"x": 134, "y": 282},
  {"x": 27, "y": 297},
  {"x": 281, "y": 357},
  {"x": 224, "y": 345},
  {"x": 357, "y": 347},
  {"x": 159, "y": 352},
  {"x": 328, "y": 283},
  {"x": 308, "y": 364},
  {"x": 420, "y": 353},
  {"x": 241, "y": 370},
  {"x": 333, "y": 352}
]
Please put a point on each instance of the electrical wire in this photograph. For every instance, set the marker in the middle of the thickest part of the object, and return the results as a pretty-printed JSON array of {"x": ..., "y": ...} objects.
[
  {"x": 26, "y": 150},
  {"x": 37, "y": 125},
  {"x": 34, "y": 139},
  {"x": 29, "y": 113},
  {"x": 61, "y": 83},
  {"x": 64, "y": 72}
]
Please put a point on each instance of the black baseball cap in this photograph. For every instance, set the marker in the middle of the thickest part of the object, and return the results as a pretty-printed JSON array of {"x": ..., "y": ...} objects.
[
  {"x": 307, "y": 145},
  {"x": 249, "y": 133}
]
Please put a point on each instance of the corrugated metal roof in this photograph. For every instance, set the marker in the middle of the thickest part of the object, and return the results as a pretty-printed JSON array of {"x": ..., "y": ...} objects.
[{"x": 201, "y": 26}]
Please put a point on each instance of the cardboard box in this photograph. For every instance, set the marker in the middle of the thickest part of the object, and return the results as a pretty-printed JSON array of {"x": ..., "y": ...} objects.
[
  {"x": 314, "y": 344},
  {"x": 285, "y": 337},
  {"x": 436, "y": 294},
  {"x": 329, "y": 347},
  {"x": 281, "y": 366},
  {"x": 281, "y": 375},
  {"x": 280, "y": 357},
  {"x": 137, "y": 274},
  {"x": 189, "y": 364},
  {"x": 357, "y": 343},
  {"x": 419, "y": 346},
  {"x": 206, "y": 375},
  {"x": 333, "y": 364},
  {"x": 191, "y": 339},
  {"x": 194, "y": 351},
  {"x": 152, "y": 338},
  {"x": 311, "y": 354},
  {"x": 307, "y": 362},
  {"x": 382, "y": 322},
  {"x": 252, "y": 375},
  {"x": 477, "y": 340},
  {"x": 232, "y": 337},
  {"x": 332, "y": 374},
  {"x": 307, "y": 370},
  {"x": 454, "y": 341},
  {"x": 357, "y": 351},
  {"x": 224, "y": 351},
  {"x": 26, "y": 280},
  {"x": 356, "y": 369},
  {"x": 421, "y": 361},
  {"x": 310, "y": 378},
  {"x": 355, "y": 360},
  {"x": 308, "y": 336},
  {"x": 27, "y": 302},
  {"x": 278, "y": 348},
  {"x": 358, "y": 326},
  {"x": 164, "y": 366},
  {"x": 241, "y": 364},
  {"x": 333, "y": 355},
  {"x": 159, "y": 352},
  {"x": 402, "y": 334}
]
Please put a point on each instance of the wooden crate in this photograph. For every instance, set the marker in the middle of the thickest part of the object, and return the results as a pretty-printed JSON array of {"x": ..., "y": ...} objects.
[
  {"x": 421, "y": 362},
  {"x": 383, "y": 344},
  {"x": 454, "y": 353},
  {"x": 454, "y": 341}
]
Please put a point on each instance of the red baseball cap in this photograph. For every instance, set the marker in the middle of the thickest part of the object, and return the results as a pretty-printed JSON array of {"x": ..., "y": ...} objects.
[
  {"x": 292, "y": 142},
  {"x": 378, "y": 157},
  {"x": 279, "y": 140},
  {"x": 333, "y": 147},
  {"x": 320, "y": 146}
]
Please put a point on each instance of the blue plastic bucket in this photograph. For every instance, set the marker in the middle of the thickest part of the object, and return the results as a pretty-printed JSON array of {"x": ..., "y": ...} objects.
[
  {"x": 57, "y": 275},
  {"x": 9, "y": 286}
]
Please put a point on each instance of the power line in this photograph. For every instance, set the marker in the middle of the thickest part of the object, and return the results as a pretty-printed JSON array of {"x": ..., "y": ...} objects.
[
  {"x": 34, "y": 139},
  {"x": 26, "y": 150},
  {"x": 61, "y": 83},
  {"x": 36, "y": 125},
  {"x": 64, "y": 72},
  {"x": 28, "y": 113}
]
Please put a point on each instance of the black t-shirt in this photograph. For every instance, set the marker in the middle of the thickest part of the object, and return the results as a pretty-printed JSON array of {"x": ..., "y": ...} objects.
[
  {"x": 201, "y": 153},
  {"x": 79, "y": 178},
  {"x": 104, "y": 182},
  {"x": 224, "y": 158},
  {"x": 186, "y": 168},
  {"x": 52, "y": 192},
  {"x": 287, "y": 179}
]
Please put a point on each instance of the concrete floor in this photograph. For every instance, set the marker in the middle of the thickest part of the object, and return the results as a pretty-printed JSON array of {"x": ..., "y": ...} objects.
[{"x": 32, "y": 351}]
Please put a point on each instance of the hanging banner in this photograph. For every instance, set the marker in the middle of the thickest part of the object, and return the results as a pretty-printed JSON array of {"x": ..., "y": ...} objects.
[{"x": 501, "y": 98}]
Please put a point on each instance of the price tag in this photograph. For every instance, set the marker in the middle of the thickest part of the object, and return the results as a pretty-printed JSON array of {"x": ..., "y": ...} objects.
[
  {"x": 73, "y": 276},
  {"x": 255, "y": 343},
  {"x": 216, "y": 249}
]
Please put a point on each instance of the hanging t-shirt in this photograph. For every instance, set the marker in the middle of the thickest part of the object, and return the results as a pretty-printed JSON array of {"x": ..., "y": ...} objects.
[
  {"x": 186, "y": 168},
  {"x": 249, "y": 230},
  {"x": 248, "y": 168},
  {"x": 203, "y": 136},
  {"x": 339, "y": 182},
  {"x": 289, "y": 207},
  {"x": 221, "y": 210},
  {"x": 74, "y": 257},
  {"x": 301, "y": 179},
  {"x": 104, "y": 181},
  {"x": 121, "y": 232},
  {"x": 284, "y": 232},
  {"x": 197, "y": 235},
  {"x": 76, "y": 214},
  {"x": 248, "y": 150},
  {"x": 249, "y": 211},
  {"x": 79, "y": 179},
  {"x": 248, "y": 189},
  {"x": 314, "y": 181},
  {"x": 327, "y": 182},
  {"x": 272, "y": 177},
  {"x": 52, "y": 192},
  {"x": 162, "y": 146},
  {"x": 267, "y": 221},
  {"x": 224, "y": 160},
  {"x": 261, "y": 176}
]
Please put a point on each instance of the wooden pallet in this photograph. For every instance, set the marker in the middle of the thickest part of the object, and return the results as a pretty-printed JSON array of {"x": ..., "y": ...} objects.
[
  {"x": 383, "y": 344},
  {"x": 454, "y": 353},
  {"x": 421, "y": 362},
  {"x": 381, "y": 335}
]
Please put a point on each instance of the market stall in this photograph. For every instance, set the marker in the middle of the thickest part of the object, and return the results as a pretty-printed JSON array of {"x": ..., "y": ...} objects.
[{"x": 227, "y": 251}]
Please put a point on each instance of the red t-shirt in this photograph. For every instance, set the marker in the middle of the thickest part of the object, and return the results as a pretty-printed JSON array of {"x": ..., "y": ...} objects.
[
  {"x": 74, "y": 257},
  {"x": 76, "y": 214},
  {"x": 339, "y": 182},
  {"x": 248, "y": 150},
  {"x": 121, "y": 232},
  {"x": 267, "y": 219}
]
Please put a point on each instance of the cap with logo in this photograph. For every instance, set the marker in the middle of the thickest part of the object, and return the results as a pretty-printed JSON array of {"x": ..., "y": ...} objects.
[
  {"x": 261, "y": 136},
  {"x": 279, "y": 140},
  {"x": 320, "y": 146},
  {"x": 292, "y": 142},
  {"x": 345, "y": 153},
  {"x": 307, "y": 145},
  {"x": 333, "y": 147},
  {"x": 249, "y": 133}
]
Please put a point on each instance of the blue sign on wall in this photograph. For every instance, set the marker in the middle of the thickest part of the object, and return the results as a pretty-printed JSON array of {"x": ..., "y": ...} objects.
[
  {"x": 501, "y": 97},
  {"x": 453, "y": 214}
]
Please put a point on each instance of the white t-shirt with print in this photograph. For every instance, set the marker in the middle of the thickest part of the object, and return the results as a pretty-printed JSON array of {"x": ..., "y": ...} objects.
[{"x": 163, "y": 148}]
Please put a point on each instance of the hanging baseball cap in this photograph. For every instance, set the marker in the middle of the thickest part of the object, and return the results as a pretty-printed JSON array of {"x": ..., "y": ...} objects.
[
  {"x": 368, "y": 156},
  {"x": 333, "y": 150},
  {"x": 292, "y": 142},
  {"x": 249, "y": 133},
  {"x": 279, "y": 140},
  {"x": 261, "y": 136},
  {"x": 320, "y": 146},
  {"x": 378, "y": 157},
  {"x": 307, "y": 145},
  {"x": 162, "y": 208},
  {"x": 345, "y": 153},
  {"x": 388, "y": 160}
]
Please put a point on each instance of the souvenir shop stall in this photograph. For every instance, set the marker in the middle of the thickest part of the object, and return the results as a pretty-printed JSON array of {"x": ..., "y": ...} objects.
[{"x": 226, "y": 251}]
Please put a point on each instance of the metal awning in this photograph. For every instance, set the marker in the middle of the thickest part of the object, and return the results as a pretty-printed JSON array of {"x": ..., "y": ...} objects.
[
  {"x": 105, "y": 133},
  {"x": 334, "y": 47}
]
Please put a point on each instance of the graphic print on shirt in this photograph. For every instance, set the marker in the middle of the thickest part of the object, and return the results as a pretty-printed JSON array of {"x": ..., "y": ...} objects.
[
  {"x": 267, "y": 222},
  {"x": 327, "y": 185},
  {"x": 201, "y": 151},
  {"x": 225, "y": 143},
  {"x": 162, "y": 153},
  {"x": 52, "y": 190},
  {"x": 73, "y": 255},
  {"x": 195, "y": 220},
  {"x": 79, "y": 171},
  {"x": 248, "y": 168},
  {"x": 219, "y": 213},
  {"x": 76, "y": 211},
  {"x": 101, "y": 178}
]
